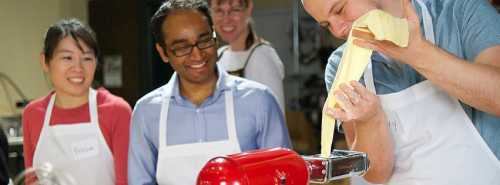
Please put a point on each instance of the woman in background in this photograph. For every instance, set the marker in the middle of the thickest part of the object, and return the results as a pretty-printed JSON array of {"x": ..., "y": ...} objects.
[
  {"x": 247, "y": 55},
  {"x": 80, "y": 131}
]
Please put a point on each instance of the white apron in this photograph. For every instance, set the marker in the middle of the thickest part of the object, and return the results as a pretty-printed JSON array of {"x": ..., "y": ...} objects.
[
  {"x": 78, "y": 150},
  {"x": 180, "y": 164}
]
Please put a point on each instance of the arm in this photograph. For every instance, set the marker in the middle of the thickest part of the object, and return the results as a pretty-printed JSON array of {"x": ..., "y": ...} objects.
[
  {"x": 266, "y": 67},
  {"x": 271, "y": 126},
  {"x": 142, "y": 155},
  {"x": 120, "y": 140},
  {"x": 478, "y": 88},
  {"x": 27, "y": 143},
  {"x": 364, "y": 123},
  {"x": 476, "y": 83}
]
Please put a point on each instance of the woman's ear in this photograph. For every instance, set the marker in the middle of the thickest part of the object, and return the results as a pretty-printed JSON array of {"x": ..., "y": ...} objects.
[{"x": 43, "y": 63}]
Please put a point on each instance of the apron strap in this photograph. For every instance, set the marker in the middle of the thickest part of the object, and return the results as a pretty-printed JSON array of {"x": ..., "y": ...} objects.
[
  {"x": 93, "y": 106},
  {"x": 427, "y": 20},
  {"x": 167, "y": 91},
  {"x": 48, "y": 112},
  {"x": 230, "y": 116},
  {"x": 368, "y": 77}
]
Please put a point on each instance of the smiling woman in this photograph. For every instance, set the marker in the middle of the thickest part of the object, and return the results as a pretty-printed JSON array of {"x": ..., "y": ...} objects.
[
  {"x": 247, "y": 55},
  {"x": 75, "y": 124}
]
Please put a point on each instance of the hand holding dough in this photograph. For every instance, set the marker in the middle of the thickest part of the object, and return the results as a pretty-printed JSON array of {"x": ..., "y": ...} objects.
[{"x": 355, "y": 59}]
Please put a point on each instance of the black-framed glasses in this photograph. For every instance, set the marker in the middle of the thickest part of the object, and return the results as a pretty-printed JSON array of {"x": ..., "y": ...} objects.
[{"x": 187, "y": 49}]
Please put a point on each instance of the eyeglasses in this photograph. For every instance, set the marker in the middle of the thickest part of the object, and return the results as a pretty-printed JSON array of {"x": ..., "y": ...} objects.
[
  {"x": 187, "y": 49},
  {"x": 233, "y": 12}
]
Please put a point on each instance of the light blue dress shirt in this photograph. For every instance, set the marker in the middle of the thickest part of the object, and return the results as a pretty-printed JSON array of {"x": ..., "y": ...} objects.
[
  {"x": 259, "y": 122},
  {"x": 463, "y": 28}
]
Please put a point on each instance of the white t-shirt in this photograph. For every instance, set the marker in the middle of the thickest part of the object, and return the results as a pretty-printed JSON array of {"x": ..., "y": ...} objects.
[{"x": 264, "y": 66}]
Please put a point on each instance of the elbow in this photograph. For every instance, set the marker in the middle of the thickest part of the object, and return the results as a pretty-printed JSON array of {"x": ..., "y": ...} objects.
[
  {"x": 380, "y": 175},
  {"x": 380, "y": 170}
]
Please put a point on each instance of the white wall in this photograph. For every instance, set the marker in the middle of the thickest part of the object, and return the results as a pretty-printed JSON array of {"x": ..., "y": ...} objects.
[{"x": 22, "y": 26}]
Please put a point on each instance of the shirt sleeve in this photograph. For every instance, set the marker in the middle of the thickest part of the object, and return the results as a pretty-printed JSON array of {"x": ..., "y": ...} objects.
[
  {"x": 142, "y": 154},
  {"x": 332, "y": 65},
  {"x": 120, "y": 141},
  {"x": 27, "y": 143},
  {"x": 273, "y": 131},
  {"x": 480, "y": 24},
  {"x": 266, "y": 67}
]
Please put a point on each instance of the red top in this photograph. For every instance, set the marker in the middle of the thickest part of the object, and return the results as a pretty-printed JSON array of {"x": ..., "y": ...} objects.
[{"x": 114, "y": 121}]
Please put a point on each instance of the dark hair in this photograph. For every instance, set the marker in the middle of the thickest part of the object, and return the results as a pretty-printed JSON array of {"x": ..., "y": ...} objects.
[
  {"x": 68, "y": 27},
  {"x": 167, "y": 7}
]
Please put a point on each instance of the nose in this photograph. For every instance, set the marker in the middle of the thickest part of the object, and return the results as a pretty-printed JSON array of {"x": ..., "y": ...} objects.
[
  {"x": 196, "y": 54},
  {"x": 78, "y": 64},
  {"x": 339, "y": 27}
]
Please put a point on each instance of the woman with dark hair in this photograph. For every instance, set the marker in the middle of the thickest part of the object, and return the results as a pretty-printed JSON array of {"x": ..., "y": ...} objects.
[
  {"x": 80, "y": 131},
  {"x": 246, "y": 55}
]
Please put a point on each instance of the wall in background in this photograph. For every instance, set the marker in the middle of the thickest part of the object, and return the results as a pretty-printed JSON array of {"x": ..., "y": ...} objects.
[{"x": 23, "y": 24}]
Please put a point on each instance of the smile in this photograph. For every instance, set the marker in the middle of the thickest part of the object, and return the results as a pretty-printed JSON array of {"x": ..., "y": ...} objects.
[
  {"x": 228, "y": 28},
  {"x": 77, "y": 80},
  {"x": 198, "y": 66}
]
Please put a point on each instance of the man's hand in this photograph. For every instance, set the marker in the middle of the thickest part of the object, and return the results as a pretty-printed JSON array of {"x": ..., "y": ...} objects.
[
  {"x": 357, "y": 104},
  {"x": 417, "y": 45}
]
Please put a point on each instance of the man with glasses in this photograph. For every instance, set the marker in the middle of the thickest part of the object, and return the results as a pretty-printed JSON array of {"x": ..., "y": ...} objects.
[{"x": 202, "y": 112}]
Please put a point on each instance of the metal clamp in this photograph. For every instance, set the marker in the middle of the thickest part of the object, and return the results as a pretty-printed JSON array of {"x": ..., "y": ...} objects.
[{"x": 341, "y": 164}]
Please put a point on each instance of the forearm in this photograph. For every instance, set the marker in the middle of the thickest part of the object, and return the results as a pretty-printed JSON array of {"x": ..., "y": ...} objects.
[
  {"x": 476, "y": 84},
  {"x": 375, "y": 139}
]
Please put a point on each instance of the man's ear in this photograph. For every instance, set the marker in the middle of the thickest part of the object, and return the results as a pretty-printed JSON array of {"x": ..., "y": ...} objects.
[
  {"x": 45, "y": 65},
  {"x": 162, "y": 53}
]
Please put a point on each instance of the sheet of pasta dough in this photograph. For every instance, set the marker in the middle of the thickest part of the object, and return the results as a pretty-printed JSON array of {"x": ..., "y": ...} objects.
[{"x": 355, "y": 59}]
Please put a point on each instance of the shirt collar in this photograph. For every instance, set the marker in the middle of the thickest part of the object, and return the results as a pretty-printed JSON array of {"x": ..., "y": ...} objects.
[{"x": 223, "y": 84}]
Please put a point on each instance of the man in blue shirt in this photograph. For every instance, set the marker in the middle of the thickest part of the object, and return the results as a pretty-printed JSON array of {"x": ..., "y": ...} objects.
[
  {"x": 202, "y": 112},
  {"x": 454, "y": 48}
]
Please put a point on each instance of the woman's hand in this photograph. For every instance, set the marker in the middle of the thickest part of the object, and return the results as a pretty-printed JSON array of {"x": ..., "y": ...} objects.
[{"x": 356, "y": 104}]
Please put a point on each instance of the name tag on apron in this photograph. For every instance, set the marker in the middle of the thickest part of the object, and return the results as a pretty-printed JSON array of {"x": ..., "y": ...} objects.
[{"x": 85, "y": 149}]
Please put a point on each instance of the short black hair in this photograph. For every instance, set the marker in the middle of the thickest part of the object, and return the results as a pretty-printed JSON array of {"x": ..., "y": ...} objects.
[
  {"x": 69, "y": 27},
  {"x": 170, "y": 5}
]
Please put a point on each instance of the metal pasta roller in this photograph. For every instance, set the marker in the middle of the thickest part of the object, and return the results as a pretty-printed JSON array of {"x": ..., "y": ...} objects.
[{"x": 279, "y": 166}]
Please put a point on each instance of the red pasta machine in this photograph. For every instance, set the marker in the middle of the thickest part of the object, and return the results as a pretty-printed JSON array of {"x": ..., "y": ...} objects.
[{"x": 279, "y": 166}]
